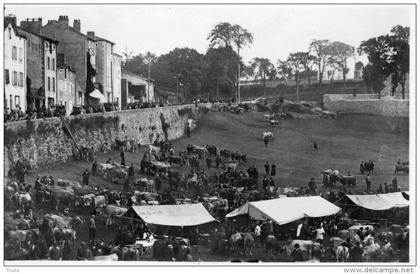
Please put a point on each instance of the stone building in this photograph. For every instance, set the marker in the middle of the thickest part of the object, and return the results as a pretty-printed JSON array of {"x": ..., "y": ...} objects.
[
  {"x": 116, "y": 78},
  {"x": 76, "y": 50},
  {"x": 135, "y": 88},
  {"x": 14, "y": 65},
  {"x": 66, "y": 89},
  {"x": 41, "y": 65}
]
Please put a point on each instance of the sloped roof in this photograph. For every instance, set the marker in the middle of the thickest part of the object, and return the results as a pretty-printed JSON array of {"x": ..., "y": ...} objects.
[
  {"x": 171, "y": 215},
  {"x": 286, "y": 210},
  {"x": 380, "y": 201}
]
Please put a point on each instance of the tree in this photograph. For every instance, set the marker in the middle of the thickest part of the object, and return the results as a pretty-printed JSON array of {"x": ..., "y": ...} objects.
[
  {"x": 374, "y": 78},
  {"x": 339, "y": 53},
  {"x": 220, "y": 73},
  {"x": 296, "y": 62},
  {"x": 319, "y": 49},
  {"x": 400, "y": 64},
  {"x": 284, "y": 70},
  {"x": 149, "y": 58},
  {"x": 263, "y": 69},
  {"x": 241, "y": 38},
  {"x": 389, "y": 55},
  {"x": 225, "y": 35}
]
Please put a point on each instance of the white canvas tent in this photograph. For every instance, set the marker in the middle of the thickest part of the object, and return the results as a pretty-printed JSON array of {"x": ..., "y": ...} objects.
[
  {"x": 380, "y": 201},
  {"x": 286, "y": 210},
  {"x": 171, "y": 215},
  {"x": 98, "y": 95}
]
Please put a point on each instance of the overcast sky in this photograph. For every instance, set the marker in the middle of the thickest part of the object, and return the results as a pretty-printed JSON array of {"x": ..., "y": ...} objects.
[{"x": 278, "y": 29}]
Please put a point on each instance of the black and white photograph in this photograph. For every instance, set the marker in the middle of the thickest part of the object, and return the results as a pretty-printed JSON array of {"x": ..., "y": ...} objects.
[{"x": 189, "y": 134}]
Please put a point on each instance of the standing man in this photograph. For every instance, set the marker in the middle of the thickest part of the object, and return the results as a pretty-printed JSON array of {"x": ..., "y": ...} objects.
[
  {"x": 208, "y": 161},
  {"x": 267, "y": 168},
  {"x": 320, "y": 233},
  {"x": 273, "y": 169},
  {"x": 94, "y": 168},
  {"x": 122, "y": 158},
  {"x": 368, "y": 183},
  {"x": 92, "y": 228},
  {"x": 85, "y": 177},
  {"x": 131, "y": 172},
  {"x": 315, "y": 146},
  {"x": 266, "y": 141},
  {"x": 257, "y": 232},
  {"x": 395, "y": 184}
]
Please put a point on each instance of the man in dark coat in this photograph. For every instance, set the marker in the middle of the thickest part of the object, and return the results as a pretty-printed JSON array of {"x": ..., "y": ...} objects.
[
  {"x": 267, "y": 168},
  {"x": 122, "y": 158},
  {"x": 131, "y": 172},
  {"x": 94, "y": 168},
  {"x": 85, "y": 177},
  {"x": 273, "y": 170}
]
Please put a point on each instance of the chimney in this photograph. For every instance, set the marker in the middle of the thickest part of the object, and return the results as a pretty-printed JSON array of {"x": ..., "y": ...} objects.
[
  {"x": 91, "y": 34},
  {"x": 63, "y": 20},
  {"x": 10, "y": 19},
  {"x": 61, "y": 59},
  {"x": 76, "y": 24},
  {"x": 34, "y": 25}
]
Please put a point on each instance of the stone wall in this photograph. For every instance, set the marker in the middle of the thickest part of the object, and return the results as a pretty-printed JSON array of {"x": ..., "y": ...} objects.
[
  {"x": 366, "y": 104},
  {"x": 45, "y": 142}
]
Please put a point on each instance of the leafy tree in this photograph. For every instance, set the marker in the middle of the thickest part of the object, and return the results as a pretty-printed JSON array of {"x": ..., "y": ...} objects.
[
  {"x": 319, "y": 49},
  {"x": 374, "y": 78},
  {"x": 339, "y": 53},
  {"x": 220, "y": 73},
  {"x": 149, "y": 59},
  {"x": 284, "y": 70},
  {"x": 389, "y": 55},
  {"x": 296, "y": 62},
  {"x": 226, "y": 35},
  {"x": 263, "y": 69}
]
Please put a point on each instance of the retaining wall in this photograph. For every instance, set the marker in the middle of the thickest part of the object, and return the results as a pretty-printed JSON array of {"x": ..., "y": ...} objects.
[
  {"x": 45, "y": 142},
  {"x": 366, "y": 104}
]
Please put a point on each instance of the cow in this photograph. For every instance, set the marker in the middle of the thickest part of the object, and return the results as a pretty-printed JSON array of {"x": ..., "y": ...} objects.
[
  {"x": 232, "y": 166},
  {"x": 235, "y": 243},
  {"x": 249, "y": 243},
  {"x": 153, "y": 150},
  {"x": 401, "y": 168},
  {"x": 304, "y": 245},
  {"x": 267, "y": 134},
  {"x": 212, "y": 150},
  {"x": 268, "y": 117},
  {"x": 22, "y": 198},
  {"x": 64, "y": 234},
  {"x": 272, "y": 245},
  {"x": 274, "y": 122},
  {"x": 175, "y": 160}
]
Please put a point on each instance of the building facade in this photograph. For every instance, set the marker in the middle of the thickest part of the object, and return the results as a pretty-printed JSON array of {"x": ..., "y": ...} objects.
[
  {"x": 41, "y": 66},
  {"x": 135, "y": 88},
  {"x": 14, "y": 66},
  {"x": 66, "y": 87},
  {"x": 76, "y": 50},
  {"x": 116, "y": 78}
]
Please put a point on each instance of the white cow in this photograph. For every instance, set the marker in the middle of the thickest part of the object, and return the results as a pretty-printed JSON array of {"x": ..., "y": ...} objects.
[{"x": 268, "y": 134}]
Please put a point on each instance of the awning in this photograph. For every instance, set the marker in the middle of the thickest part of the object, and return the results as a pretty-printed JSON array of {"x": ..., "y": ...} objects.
[
  {"x": 98, "y": 95},
  {"x": 171, "y": 215},
  {"x": 380, "y": 201},
  {"x": 286, "y": 210}
]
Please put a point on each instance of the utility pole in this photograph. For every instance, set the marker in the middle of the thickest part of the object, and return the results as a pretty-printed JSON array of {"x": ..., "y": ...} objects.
[{"x": 148, "y": 80}]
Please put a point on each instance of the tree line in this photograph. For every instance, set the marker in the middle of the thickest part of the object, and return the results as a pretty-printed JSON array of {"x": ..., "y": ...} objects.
[{"x": 217, "y": 73}]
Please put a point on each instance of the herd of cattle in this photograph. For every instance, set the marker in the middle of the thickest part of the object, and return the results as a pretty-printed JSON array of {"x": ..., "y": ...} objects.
[{"x": 161, "y": 183}]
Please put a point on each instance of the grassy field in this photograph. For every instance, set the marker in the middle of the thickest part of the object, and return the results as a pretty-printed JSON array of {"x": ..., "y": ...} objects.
[{"x": 342, "y": 142}]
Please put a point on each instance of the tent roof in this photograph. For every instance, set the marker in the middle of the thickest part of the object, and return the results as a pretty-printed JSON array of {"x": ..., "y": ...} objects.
[
  {"x": 286, "y": 210},
  {"x": 380, "y": 201},
  {"x": 171, "y": 215}
]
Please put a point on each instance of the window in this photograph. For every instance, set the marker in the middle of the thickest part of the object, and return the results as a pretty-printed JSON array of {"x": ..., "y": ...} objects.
[
  {"x": 48, "y": 63},
  {"x": 10, "y": 33},
  {"x": 53, "y": 83},
  {"x": 49, "y": 84},
  {"x": 20, "y": 79},
  {"x": 14, "y": 78},
  {"x": 108, "y": 97},
  {"x": 17, "y": 101},
  {"x": 65, "y": 74},
  {"x": 60, "y": 103},
  {"x": 6, "y": 77},
  {"x": 20, "y": 55},
  {"x": 11, "y": 102},
  {"x": 14, "y": 53},
  {"x": 53, "y": 64}
]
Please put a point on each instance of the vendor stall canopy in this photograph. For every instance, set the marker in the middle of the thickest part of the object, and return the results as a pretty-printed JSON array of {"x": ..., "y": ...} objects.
[
  {"x": 171, "y": 215},
  {"x": 286, "y": 210},
  {"x": 380, "y": 201}
]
